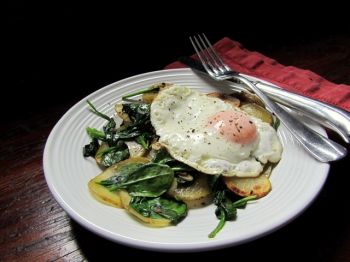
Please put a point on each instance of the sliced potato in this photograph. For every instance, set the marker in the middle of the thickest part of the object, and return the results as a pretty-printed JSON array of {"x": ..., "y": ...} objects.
[
  {"x": 153, "y": 222},
  {"x": 258, "y": 112},
  {"x": 248, "y": 186},
  {"x": 119, "y": 198},
  {"x": 196, "y": 195},
  {"x": 227, "y": 98},
  {"x": 248, "y": 97}
]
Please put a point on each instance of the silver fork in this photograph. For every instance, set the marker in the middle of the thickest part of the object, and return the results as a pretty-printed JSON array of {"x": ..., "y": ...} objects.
[{"x": 320, "y": 147}]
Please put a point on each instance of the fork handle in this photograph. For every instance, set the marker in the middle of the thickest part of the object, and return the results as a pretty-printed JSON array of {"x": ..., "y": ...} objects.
[
  {"x": 322, "y": 148},
  {"x": 325, "y": 114}
]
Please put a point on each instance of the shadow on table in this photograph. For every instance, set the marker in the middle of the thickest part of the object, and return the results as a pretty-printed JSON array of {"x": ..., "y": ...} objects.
[{"x": 321, "y": 233}]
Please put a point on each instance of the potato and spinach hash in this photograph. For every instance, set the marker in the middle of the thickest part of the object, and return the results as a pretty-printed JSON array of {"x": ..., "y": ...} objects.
[{"x": 141, "y": 174}]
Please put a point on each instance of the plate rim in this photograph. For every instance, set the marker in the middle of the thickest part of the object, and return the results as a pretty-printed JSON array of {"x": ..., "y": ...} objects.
[{"x": 146, "y": 245}]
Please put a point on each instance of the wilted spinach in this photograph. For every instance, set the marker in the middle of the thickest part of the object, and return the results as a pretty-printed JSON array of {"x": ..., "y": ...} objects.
[
  {"x": 115, "y": 154},
  {"x": 226, "y": 209},
  {"x": 276, "y": 123},
  {"x": 91, "y": 149},
  {"x": 97, "y": 134},
  {"x": 163, "y": 157},
  {"x": 159, "y": 207},
  {"x": 140, "y": 130},
  {"x": 139, "y": 113},
  {"x": 121, "y": 175},
  {"x": 145, "y": 140},
  {"x": 154, "y": 88},
  {"x": 149, "y": 180},
  {"x": 93, "y": 108},
  {"x": 140, "y": 127}
]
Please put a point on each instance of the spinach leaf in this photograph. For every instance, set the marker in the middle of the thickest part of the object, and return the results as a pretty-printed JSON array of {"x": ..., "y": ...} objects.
[
  {"x": 145, "y": 140},
  {"x": 222, "y": 220},
  {"x": 276, "y": 123},
  {"x": 139, "y": 113},
  {"x": 140, "y": 127},
  {"x": 114, "y": 154},
  {"x": 94, "y": 133},
  {"x": 127, "y": 134},
  {"x": 180, "y": 169},
  {"x": 153, "y": 88},
  {"x": 159, "y": 207},
  {"x": 149, "y": 180},
  {"x": 140, "y": 130},
  {"x": 109, "y": 127},
  {"x": 121, "y": 175},
  {"x": 93, "y": 108},
  {"x": 91, "y": 149},
  {"x": 214, "y": 182},
  {"x": 226, "y": 209},
  {"x": 225, "y": 204},
  {"x": 162, "y": 157}
]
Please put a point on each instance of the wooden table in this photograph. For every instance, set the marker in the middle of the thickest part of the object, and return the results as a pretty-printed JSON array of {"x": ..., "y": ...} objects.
[{"x": 33, "y": 227}]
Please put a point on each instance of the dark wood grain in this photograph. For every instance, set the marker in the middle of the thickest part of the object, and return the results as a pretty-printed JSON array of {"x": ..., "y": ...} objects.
[{"x": 33, "y": 227}]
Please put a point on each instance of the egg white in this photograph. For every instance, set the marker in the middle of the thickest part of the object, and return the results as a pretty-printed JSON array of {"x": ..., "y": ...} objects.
[{"x": 179, "y": 116}]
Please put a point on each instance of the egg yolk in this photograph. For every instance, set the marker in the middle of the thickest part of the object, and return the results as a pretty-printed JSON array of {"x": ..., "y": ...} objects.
[{"x": 234, "y": 126}]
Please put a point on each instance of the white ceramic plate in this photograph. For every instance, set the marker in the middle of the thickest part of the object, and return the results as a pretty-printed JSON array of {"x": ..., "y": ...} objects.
[{"x": 296, "y": 180}]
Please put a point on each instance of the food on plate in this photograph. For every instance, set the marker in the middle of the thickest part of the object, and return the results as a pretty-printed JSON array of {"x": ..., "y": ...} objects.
[
  {"x": 178, "y": 149},
  {"x": 246, "y": 186},
  {"x": 211, "y": 135}
]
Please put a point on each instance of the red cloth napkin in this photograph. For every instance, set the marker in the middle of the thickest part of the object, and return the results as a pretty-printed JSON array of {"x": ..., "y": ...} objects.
[{"x": 291, "y": 78}]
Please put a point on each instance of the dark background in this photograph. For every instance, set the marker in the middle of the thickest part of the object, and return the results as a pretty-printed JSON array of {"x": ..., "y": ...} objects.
[
  {"x": 59, "y": 50},
  {"x": 56, "y": 53}
]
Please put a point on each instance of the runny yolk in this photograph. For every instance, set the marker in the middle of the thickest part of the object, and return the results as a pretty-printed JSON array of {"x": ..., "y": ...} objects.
[{"x": 234, "y": 126}]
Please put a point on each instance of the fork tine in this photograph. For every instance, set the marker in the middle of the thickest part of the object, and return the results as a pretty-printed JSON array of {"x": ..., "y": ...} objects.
[
  {"x": 215, "y": 67},
  {"x": 209, "y": 52},
  {"x": 215, "y": 53},
  {"x": 202, "y": 56},
  {"x": 204, "y": 51}
]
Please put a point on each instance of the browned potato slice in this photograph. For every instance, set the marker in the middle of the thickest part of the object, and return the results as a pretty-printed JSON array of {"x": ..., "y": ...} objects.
[
  {"x": 258, "y": 112},
  {"x": 248, "y": 97},
  {"x": 227, "y": 98},
  {"x": 247, "y": 186},
  {"x": 119, "y": 198},
  {"x": 196, "y": 195}
]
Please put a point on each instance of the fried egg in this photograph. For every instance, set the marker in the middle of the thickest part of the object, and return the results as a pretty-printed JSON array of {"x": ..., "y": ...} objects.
[{"x": 211, "y": 135}]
